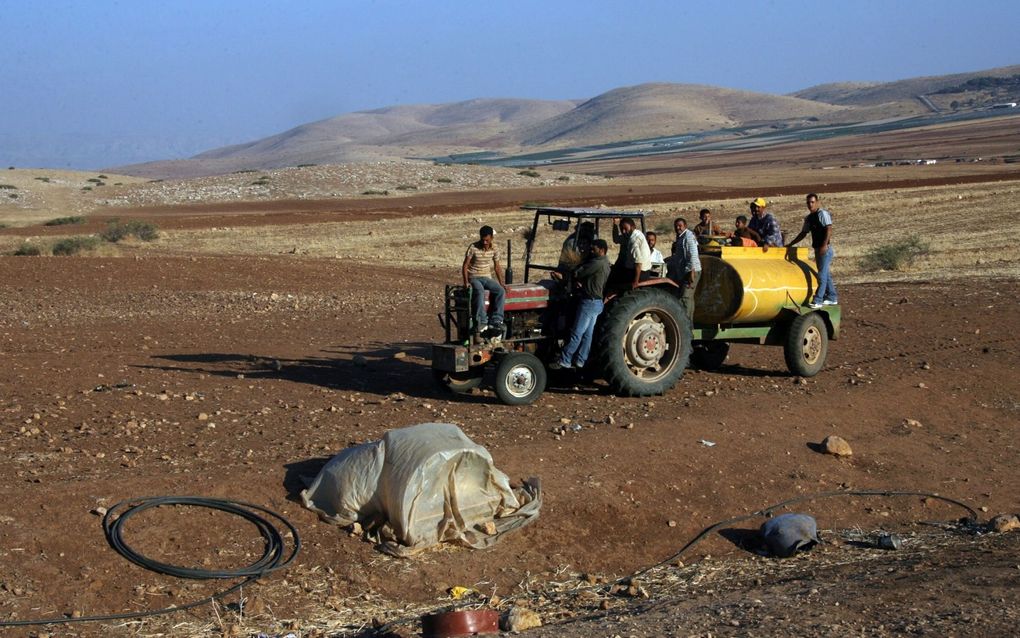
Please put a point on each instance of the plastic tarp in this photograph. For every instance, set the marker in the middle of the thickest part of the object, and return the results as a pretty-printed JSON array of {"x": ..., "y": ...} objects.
[{"x": 419, "y": 486}]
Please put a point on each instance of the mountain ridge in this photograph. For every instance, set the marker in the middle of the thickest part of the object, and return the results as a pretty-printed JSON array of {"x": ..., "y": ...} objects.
[{"x": 516, "y": 125}]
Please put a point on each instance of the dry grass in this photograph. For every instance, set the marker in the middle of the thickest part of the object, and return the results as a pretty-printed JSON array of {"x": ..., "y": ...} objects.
[
  {"x": 568, "y": 595},
  {"x": 964, "y": 225}
]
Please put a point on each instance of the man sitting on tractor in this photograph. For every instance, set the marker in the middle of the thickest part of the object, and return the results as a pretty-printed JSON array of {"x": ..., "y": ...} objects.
[
  {"x": 482, "y": 271},
  {"x": 634, "y": 263}
]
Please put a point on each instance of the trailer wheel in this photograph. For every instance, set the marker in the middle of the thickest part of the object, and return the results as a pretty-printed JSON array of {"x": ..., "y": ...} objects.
[
  {"x": 520, "y": 378},
  {"x": 709, "y": 355},
  {"x": 645, "y": 342},
  {"x": 459, "y": 382},
  {"x": 807, "y": 345}
]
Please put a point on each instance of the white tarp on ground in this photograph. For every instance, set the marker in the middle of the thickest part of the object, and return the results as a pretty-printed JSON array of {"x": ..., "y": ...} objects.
[{"x": 420, "y": 486}]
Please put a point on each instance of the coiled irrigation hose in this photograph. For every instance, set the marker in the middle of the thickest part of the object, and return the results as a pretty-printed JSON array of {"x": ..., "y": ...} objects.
[
  {"x": 274, "y": 555},
  {"x": 272, "y": 560}
]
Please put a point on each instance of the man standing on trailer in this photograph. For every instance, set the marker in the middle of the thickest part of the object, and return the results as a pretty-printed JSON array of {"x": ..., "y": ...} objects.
[
  {"x": 818, "y": 222},
  {"x": 685, "y": 264}
]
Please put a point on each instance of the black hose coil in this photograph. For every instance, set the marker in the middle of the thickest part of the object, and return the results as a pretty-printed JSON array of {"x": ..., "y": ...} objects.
[{"x": 270, "y": 561}]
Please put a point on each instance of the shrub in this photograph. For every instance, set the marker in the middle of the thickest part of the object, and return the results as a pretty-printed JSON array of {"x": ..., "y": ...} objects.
[
  {"x": 896, "y": 255},
  {"x": 13, "y": 196},
  {"x": 306, "y": 165},
  {"x": 564, "y": 178},
  {"x": 262, "y": 181},
  {"x": 75, "y": 245},
  {"x": 8, "y": 187},
  {"x": 117, "y": 230},
  {"x": 244, "y": 170},
  {"x": 528, "y": 173},
  {"x": 44, "y": 179},
  {"x": 444, "y": 180},
  {"x": 86, "y": 188},
  {"x": 63, "y": 221},
  {"x": 94, "y": 180},
  {"x": 157, "y": 181},
  {"x": 375, "y": 192},
  {"x": 28, "y": 250},
  {"x": 406, "y": 187},
  {"x": 103, "y": 177}
]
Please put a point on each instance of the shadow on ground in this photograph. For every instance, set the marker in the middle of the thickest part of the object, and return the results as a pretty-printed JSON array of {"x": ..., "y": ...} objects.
[{"x": 382, "y": 370}]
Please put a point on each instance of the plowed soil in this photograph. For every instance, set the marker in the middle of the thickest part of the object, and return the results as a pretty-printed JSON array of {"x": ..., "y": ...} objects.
[{"x": 234, "y": 377}]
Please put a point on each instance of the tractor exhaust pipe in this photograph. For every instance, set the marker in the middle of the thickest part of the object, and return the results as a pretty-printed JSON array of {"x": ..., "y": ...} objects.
[{"x": 508, "y": 276}]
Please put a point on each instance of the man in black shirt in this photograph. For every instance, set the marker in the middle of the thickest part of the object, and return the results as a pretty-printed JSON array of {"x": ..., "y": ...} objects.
[{"x": 591, "y": 277}]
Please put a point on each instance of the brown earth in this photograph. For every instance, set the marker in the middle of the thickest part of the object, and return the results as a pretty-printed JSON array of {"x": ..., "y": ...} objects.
[{"x": 110, "y": 367}]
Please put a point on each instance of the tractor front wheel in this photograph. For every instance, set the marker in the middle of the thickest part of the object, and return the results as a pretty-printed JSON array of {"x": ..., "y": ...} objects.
[{"x": 520, "y": 378}]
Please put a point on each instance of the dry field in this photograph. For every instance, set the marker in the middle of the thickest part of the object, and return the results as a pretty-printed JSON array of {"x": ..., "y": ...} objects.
[
  {"x": 220, "y": 360},
  {"x": 963, "y": 225}
]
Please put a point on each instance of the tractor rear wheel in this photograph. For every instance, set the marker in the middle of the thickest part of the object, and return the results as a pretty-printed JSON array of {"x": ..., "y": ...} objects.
[
  {"x": 459, "y": 382},
  {"x": 644, "y": 343},
  {"x": 520, "y": 378},
  {"x": 807, "y": 345}
]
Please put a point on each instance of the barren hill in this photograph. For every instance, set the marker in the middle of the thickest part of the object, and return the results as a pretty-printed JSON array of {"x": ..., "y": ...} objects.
[
  {"x": 874, "y": 93},
  {"x": 512, "y": 126},
  {"x": 501, "y": 125},
  {"x": 652, "y": 110}
]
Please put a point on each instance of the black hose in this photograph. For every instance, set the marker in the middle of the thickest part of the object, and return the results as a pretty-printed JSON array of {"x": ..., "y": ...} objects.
[
  {"x": 973, "y": 516},
  {"x": 272, "y": 558},
  {"x": 767, "y": 511}
]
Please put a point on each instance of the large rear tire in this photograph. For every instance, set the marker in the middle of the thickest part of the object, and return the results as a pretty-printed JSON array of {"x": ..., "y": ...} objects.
[
  {"x": 644, "y": 344},
  {"x": 807, "y": 345},
  {"x": 520, "y": 378},
  {"x": 459, "y": 382}
]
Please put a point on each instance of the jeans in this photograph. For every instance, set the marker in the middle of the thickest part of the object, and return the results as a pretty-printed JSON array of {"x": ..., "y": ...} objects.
[
  {"x": 496, "y": 296},
  {"x": 826, "y": 289},
  {"x": 579, "y": 345}
]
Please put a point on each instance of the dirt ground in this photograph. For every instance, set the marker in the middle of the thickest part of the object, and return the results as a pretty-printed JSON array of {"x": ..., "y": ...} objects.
[
  {"x": 220, "y": 361},
  {"x": 234, "y": 376}
]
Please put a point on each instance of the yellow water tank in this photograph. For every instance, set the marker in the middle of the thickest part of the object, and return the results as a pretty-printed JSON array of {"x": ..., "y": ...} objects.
[{"x": 748, "y": 285}]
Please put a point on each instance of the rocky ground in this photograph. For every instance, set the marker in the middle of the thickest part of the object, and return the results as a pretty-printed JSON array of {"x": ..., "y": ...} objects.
[{"x": 234, "y": 377}]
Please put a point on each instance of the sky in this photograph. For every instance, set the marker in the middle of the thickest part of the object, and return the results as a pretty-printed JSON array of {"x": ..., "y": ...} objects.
[{"x": 101, "y": 83}]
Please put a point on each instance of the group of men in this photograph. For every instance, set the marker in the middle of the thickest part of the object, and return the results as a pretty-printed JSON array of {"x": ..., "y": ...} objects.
[
  {"x": 763, "y": 230},
  {"x": 592, "y": 274}
]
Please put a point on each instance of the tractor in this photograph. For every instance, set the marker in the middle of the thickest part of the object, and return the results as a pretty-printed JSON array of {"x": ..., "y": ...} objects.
[{"x": 643, "y": 340}]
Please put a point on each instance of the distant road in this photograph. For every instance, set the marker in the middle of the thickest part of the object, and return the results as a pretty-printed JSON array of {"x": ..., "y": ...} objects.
[{"x": 931, "y": 105}]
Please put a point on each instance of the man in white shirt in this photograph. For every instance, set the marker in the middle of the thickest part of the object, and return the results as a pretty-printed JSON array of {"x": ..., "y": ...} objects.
[
  {"x": 635, "y": 260},
  {"x": 653, "y": 239}
]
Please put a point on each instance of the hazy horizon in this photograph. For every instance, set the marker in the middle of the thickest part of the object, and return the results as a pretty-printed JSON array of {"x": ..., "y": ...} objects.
[{"x": 104, "y": 83}]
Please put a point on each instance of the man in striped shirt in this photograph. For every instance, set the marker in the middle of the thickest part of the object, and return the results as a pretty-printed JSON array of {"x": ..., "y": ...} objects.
[
  {"x": 685, "y": 264},
  {"x": 481, "y": 271}
]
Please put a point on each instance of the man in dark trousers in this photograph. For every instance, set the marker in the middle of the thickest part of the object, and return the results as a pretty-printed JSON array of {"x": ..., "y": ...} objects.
[
  {"x": 818, "y": 222},
  {"x": 684, "y": 265},
  {"x": 591, "y": 277}
]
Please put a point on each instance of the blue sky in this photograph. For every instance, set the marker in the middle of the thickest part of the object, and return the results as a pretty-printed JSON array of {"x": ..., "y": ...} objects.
[{"x": 106, "y": 82}]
